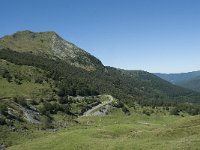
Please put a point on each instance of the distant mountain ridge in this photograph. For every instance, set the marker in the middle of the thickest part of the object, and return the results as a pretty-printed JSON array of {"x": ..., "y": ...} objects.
[
  {"x": 193, "y": 84},
  {"x": 190, "y": 80},
  {"x": 178, "y": 77}
]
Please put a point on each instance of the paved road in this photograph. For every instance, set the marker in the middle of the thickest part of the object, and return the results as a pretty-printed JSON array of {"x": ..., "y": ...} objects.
[{"x": 89, "y": 112}]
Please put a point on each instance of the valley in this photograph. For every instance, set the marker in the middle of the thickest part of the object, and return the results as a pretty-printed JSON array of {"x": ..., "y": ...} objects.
[
  {"x": 55, "y": 95},
  {"x": 190, "y": 80}
]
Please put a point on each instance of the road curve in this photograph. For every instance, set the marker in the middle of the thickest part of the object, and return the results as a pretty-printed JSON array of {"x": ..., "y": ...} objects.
[{"x": 89, "y": 112}]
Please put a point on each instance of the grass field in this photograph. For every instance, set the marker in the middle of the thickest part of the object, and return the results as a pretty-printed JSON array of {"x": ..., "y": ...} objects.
[
  {"x": 27, "y": 89},
  {"x": 22, "y": 80},
  {"x": 121, "y": 132}
]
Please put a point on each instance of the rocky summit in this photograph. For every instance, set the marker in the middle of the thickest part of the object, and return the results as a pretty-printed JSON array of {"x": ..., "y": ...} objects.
[{"x": 50, "y": 45}]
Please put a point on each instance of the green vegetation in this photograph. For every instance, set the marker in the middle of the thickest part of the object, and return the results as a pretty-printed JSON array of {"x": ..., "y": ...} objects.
[
  {"x": 143, "y": 127},
  {"x": 50, "y": 45},
  {"x": 179, "y": 77},
  {"x": 24, "y": 117},
  {"x": 118, "y": 131},
  {"x": 26, "y": 89},
  {"x": 26, "y": 81},
  {"x": 193, "y": 84},
  {"x": 190, "y": 80},
  {"x": 145, "y": 88},
  {"x": 47, "y": 85}
]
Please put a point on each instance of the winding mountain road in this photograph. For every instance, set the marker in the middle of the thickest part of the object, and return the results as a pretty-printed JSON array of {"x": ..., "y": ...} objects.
[{"x": 89, "y": 112}]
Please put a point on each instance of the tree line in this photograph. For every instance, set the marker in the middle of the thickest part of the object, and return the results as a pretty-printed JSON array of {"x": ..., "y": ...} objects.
[{"x": 144, "y": 88}]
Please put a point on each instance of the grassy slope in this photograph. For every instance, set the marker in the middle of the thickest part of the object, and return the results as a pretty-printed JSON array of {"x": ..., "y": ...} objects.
[
  {"x": 110, "y": 80},
  {"x": 28, "y": 86},
  {"x": 28, "y": 41},
  {"x": 27, "y": 89},
  {"x": 25, "y": 72},
  {"x": 118, "y": 131},
  {"x": 49, "y": 45}
]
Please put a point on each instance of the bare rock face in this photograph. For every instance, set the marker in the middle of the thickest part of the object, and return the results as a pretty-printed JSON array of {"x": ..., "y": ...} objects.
[
  {"x": 2, "y": 147},
  {"x": 50, "y": 45},
  {"x": 60, "y": 47}
]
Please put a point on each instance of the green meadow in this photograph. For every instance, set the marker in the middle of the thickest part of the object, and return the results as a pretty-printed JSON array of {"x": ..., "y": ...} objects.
[
  {"x": 121, "y": 132},
  {"x": 26, "y": 89}
]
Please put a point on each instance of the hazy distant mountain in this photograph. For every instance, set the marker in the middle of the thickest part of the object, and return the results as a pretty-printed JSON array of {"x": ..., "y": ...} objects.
[
  {"x": 190, "y": 80},
  {"x": 193, "y": 84},
  {"x": 178, "y": 77}
]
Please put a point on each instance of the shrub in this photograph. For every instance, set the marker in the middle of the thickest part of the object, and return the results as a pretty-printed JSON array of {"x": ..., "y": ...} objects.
[
  {"x": 56, "y": 107},
  {"x": 175, "y": 111},
  {"x": 2, "y": 121},
  {"x": 3, "y": 109},
  {"x": 7, "y": 75},
  {"x": 61, "y": 92},
  {"x": 34, "y": 102},
  {"x": 63, "y": 100},
  {"x": 21, "y": 101},
  {"x": 17, "y": 81},
  {"x": 40, "y": 81},
  {"x": 118, "y": 105},
  {"x": 125, "y": 110},
  {"x": 66, "y": 108},
  {"x": 46, "y": 122},
  {"x": 146, "y": 112}
]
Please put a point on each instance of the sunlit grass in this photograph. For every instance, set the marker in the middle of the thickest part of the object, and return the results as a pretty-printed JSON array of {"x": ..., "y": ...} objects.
[
  {"x": 26, "y": 89},
  {"x": 118, "y": 132}
]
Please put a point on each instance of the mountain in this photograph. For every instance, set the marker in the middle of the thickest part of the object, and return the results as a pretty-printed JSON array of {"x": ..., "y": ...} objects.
[
  {"x": 193, "y": 84},
  {"x": 190, "y": 80},
  {"x": 50, "y": 45},
  {"x": 47, "y": 83},
  {"x": 67, "y": 66},
  {"x": 178, "y": 77}
]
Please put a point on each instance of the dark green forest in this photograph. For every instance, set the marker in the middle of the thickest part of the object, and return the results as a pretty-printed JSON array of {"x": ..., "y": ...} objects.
[{"x": 127, "y": 86}]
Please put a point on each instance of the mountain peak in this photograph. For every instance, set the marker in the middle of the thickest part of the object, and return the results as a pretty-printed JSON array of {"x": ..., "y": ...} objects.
[
  {"x": 24, "y": 32},
  {"x": 50, "y": 44},
  {"x": 30, "y": 34}
]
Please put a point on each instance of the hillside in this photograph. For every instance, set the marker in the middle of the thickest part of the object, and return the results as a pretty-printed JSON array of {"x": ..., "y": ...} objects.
[
  {"x": 47, "y": 83},
  {"x": 193, "y": 84},
  {"x": 49, "y": 45},
  {"x": 22, "y": 80},
  {"x": 76, "y": 81},
  {"x": 178, "y": 77},
  {"x": 118, "y": 131},
  {"x": 190, "y": 80},
  {"x": 65, "y": 67}
]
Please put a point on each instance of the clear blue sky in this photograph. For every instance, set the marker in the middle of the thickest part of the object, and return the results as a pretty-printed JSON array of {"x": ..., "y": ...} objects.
[{"x": 151, "y": 35}]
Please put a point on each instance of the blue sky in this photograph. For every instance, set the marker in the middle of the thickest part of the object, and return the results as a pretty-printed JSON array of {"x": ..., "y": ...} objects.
[{"x": 151, "y": 35}]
